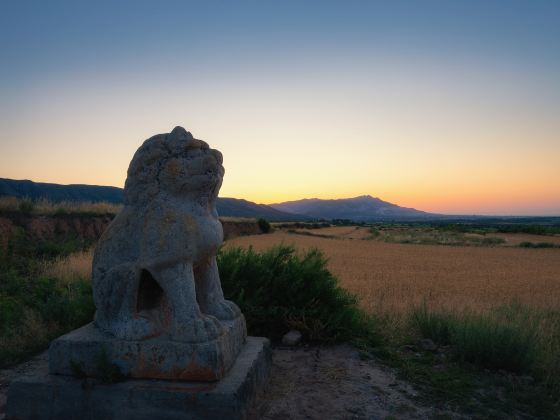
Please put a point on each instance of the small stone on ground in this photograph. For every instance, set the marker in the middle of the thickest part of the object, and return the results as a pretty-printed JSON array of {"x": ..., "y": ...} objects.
[{"x": 292, "y": 338}]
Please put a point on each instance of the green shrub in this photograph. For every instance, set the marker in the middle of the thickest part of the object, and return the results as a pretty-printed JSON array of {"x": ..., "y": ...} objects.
[
  {"x": 278, "y": 290},
  {"x": 264, "y": 225}
]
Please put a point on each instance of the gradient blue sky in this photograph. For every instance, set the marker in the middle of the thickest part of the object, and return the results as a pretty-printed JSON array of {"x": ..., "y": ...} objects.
[{"x": 447, "y": 106}]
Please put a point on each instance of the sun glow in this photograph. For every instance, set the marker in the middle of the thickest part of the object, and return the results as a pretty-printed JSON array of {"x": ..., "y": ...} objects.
[{"x": 468, "y": 127}]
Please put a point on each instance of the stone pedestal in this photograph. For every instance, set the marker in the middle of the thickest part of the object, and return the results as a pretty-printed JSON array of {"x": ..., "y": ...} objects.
[
  {"x": 40, "y": 395},
  {"x": 88, "y": 350}
]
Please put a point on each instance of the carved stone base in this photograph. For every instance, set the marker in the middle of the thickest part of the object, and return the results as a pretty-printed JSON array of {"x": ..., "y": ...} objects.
[
  {"x": 88, "y": 351},
  {"x": 39, "y": 395}
]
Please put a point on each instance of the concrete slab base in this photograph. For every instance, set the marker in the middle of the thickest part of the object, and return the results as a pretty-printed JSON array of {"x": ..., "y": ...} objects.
[
  {"x": 40, "y": 395},
  {"x": 87, "y": 347}
]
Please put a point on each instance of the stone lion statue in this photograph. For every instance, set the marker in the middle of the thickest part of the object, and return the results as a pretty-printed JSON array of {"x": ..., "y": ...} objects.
[{"x": 154, "y": 268}]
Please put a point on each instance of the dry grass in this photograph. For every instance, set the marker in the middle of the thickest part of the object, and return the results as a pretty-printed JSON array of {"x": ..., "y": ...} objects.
[
  {"x": 68, "y": 269},
  {"x": 46, "y": 207},
  {"x": 393, "y": 278}
]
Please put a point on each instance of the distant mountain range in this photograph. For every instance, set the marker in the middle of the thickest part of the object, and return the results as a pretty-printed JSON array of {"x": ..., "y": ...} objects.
[
  {"x": 228, "y": 207},
  {"x": 363, "y": 208}
]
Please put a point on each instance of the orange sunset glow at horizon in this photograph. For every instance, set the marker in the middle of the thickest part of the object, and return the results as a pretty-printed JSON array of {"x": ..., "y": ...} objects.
[{"x": 447, "y": 109}]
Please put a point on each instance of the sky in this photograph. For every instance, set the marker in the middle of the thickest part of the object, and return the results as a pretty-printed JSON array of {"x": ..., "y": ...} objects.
[{"x": 446, "y": 106}]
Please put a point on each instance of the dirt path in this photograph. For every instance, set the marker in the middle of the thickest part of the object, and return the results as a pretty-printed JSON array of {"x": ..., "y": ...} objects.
[{"x": 335, "y": 383}]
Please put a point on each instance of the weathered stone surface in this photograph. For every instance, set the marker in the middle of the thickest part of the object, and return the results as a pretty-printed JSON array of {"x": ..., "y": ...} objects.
[
  {"x": 39, "y": 395},
  {"x": 155, "y": 279},
  {"x": 154, "y": 268},
  {"x": 291, "y": 338},
  {"x": 82, "y": 349}
]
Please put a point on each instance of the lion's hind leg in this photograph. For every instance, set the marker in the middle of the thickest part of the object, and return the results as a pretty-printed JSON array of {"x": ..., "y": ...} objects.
[{"x": 116, "y": 302}]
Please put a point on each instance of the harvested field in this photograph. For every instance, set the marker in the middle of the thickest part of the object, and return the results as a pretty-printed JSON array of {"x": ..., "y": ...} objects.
[
  {"x": 390, "y": 277},
  {"x": 341, "y": 232}
]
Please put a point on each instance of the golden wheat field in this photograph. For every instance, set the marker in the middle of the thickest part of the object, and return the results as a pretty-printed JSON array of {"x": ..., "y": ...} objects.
[{"x": 389, "y": 277}]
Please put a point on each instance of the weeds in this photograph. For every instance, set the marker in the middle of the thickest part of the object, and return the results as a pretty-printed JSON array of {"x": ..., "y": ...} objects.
[
  {"x": 35, "y": 310},
  {"x": 36, "y": 306},
  {"x": 511, "y": 337},
  {"x": 437, "y": 326}
]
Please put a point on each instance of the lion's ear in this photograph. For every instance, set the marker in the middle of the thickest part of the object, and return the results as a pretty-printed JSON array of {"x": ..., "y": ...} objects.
[{"x": 179, "y": 133}]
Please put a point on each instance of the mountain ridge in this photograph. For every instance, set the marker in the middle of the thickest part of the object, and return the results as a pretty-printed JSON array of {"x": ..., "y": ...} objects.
[{"x": 360, "y": 208}]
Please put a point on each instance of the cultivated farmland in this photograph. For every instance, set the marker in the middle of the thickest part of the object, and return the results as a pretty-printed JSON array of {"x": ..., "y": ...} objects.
[{"x": 392, "y": 277}]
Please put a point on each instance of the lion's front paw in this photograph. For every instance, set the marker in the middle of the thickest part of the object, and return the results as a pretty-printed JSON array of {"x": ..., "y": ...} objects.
[
  {"x": 197, "y": 330},
  {"x": 224, "y": 310}
]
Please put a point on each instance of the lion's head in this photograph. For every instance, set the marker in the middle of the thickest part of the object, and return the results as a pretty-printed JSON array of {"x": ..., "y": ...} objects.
[{"x": 175, "y": 164}]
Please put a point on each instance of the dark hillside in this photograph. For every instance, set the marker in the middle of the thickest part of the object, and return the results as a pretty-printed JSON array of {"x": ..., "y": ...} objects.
[{"x": 57, "y": 193}]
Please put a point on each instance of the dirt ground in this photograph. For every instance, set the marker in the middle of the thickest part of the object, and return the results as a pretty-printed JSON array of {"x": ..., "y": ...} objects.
[{"x": 335, "y": 383}]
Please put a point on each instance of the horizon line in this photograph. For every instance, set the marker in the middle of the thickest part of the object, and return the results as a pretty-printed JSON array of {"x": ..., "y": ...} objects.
[{"x": 457, "y": 214}]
